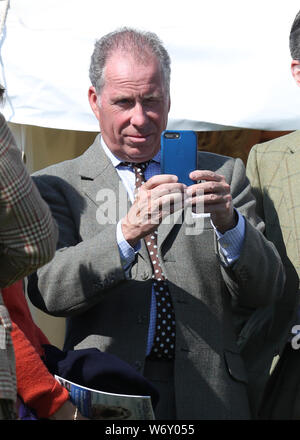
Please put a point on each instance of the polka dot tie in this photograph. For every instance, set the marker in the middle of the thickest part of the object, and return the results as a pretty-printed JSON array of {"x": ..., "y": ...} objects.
[{"x": 164, "y": 338}]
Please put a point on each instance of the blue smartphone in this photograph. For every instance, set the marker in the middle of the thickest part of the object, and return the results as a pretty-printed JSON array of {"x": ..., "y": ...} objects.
[{"x": 179, "y": 154}]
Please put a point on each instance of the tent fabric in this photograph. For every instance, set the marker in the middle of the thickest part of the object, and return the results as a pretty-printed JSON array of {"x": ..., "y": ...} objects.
[
  {"x": 230, "y": 60},
  {"x": 230, "y": 69}
]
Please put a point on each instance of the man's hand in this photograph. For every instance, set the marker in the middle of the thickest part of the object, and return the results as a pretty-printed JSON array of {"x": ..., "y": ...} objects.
[
  {"x": 157, "y": 198},
  {"x": 213, "y": 194}
]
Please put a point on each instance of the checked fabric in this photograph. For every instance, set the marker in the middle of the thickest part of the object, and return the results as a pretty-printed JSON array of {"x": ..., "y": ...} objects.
[{"x": 164, "y": 338}]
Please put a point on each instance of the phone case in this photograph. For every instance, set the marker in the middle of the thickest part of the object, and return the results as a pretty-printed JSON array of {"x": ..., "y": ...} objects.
[{"x": 179, "y": 154}]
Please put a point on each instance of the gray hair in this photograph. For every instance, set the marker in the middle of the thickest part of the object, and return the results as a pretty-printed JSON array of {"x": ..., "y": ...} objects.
[
  {"x": 138, "y": 43},
  {"x": 295, "y": 38}
]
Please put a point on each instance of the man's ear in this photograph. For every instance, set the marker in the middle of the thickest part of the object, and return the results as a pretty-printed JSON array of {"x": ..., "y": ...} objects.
[
  {"x": 295, "y": 67},
  {"x": 93, "y": 100}
]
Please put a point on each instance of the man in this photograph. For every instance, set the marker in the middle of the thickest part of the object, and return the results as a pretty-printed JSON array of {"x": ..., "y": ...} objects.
[
  {"x": 273, "y": 169},
  {"x": 101, "y": 276},
  {"x": 28, "y": 237}
]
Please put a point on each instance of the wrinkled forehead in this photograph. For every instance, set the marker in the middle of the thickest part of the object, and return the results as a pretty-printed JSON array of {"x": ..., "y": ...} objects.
[{"x": 122, "y": 62}]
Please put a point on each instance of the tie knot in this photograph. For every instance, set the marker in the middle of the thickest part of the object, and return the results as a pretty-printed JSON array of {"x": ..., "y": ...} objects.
[
  {"x": 137, "y": 166},
  {"x": 139, "y": 169}
]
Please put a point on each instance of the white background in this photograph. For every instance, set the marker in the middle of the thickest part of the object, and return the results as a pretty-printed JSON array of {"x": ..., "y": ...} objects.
[{"x": 230, "y": 60}]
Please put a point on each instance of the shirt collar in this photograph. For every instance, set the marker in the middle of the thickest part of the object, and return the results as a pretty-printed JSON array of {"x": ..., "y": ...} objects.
[{"x": 116, "y": 161}]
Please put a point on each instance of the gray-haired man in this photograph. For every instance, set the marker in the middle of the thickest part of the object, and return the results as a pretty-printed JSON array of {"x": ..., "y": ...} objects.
[{"x": 103, "y": 277}]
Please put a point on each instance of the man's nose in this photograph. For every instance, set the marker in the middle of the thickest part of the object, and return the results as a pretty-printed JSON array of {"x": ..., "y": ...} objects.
[{"x": 139, "y": 116}]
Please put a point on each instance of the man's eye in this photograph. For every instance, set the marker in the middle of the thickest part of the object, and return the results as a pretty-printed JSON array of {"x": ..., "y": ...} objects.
[{"x": 124, "y": 101}]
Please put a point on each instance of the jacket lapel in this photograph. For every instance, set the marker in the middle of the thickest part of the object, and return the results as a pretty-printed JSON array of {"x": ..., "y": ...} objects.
[
  {"x": 167, "y": 225},
  {"x": 101, "y": 184}
]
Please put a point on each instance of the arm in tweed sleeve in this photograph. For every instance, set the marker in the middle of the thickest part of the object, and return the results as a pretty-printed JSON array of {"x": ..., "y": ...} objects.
[{"x": 28, "y": 233}]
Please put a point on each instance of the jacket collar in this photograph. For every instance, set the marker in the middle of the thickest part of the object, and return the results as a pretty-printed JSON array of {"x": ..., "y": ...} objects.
[{"x": 94, "y": 161}]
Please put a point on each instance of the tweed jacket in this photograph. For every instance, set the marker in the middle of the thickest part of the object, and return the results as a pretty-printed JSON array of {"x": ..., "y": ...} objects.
[
  {"x": 274, "y": 173},
  {"x": 8, "y": 385},
  {"x": 86, "y": 282},
  {"x": 27, "y": 240},
  {"x": 27, "y": 232}
]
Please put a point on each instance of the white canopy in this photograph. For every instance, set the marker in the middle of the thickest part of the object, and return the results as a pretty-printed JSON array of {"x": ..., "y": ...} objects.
[
  {"x": 230, "y": 68},
  {"x": 230, "y": 60}
]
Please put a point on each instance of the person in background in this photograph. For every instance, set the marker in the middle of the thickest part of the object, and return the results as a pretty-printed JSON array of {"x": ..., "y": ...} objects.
[
  {"x": 28, "y": 238},
  {"x": 156, "y": 292},
  {"x": 273, "y": 169},
  {"x": 39, "y": 394}
]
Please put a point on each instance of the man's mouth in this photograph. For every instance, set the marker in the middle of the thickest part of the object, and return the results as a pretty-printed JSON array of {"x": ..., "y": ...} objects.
[{"x": 138, "y": 137}]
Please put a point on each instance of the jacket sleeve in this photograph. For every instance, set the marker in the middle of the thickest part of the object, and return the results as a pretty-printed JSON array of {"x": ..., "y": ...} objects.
[
  {"x": 83, "y": 271},
  {"x": 28, "y": 233},
  {"x": 37, "y": 387},
  {"x": 257, "y": 278},
  {"x": 253, "y": 174}
]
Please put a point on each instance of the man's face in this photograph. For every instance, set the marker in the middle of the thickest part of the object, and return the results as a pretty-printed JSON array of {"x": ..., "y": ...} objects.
[{"x": 134, "y": 107}]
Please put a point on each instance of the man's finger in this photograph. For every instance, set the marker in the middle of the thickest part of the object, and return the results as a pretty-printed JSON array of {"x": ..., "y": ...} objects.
[
  {"x": 206, "y": 175},
  {"x": 160, "y": 179},
  {"x": 207, "y": 187},
  {"x": 168, "y": 188}
]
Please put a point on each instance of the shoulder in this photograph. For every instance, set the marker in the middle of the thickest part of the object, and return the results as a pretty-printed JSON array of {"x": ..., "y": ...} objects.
[
  {"x": 3, "y": 124},
  {"x": 61, "y": 169},
  {"x": 233, "y": 169},
  {"x": 289, "y": 143},
  {"x": 7, "y": 141},
  {"x": 58, "y": 179},
  {"x": 216, "y": 162}
]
